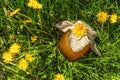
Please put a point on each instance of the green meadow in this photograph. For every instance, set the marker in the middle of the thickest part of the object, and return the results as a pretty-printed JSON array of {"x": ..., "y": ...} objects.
[{"x": 48, "y": 60}]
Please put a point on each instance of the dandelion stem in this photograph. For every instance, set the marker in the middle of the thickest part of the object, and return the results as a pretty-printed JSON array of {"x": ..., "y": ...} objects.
[
  {"x": 102, "y": 28},
  {"x": 28, "y": 40},
  {"x": 25, "y": 16},
  {"x": 8, "y": 67},
  {"x": 39, "y": 19},
  {"x": 29, "y": 29},
  {"x": 41, "y": 31}
]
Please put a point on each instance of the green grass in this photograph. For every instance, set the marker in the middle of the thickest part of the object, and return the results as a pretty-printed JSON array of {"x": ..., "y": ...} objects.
[{"x": 48, "y": 59}]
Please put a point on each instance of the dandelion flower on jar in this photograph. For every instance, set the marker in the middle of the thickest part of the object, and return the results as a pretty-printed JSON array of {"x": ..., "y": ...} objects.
[
  {"x": 102, "y": 17},
  {"x": 14, "y": 48},
  {"x": 14, "y": 12},
  {"x": 34, "y": 4},
  {"x": 7, "y": 57},
  {"x": 29, "y": 57},
  {"x": 79, "y": 30},
  {"x": 113, "y": 18},
  {"x": 59, "y": 77},
  {"x": 23, "y": 64},
  {"x": 33, "y": 38}
]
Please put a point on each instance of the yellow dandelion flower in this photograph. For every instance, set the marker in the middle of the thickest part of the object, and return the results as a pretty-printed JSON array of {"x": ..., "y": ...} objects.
[
  {"x": 27, "y": 21},
  {"x": 102, "y": 17},
  {"x": 113, "y": 18},
  {"x": 14, "y": 12},
  {"x": 7, "y": 57},
  {"x": 11, "y": 37},
  {"x": 34, "y": 4},
  {"x": 23, "y": 64},
  {"x": 79, "y": 30},
  {"x": 33, "y": 38},
  {"x": 13, "y": 55},
  {"x": 29, "y": 57},
  {"x": 32, "y": 0},
  {"x": 14, "y": 48},
  {"x": 59, "y": 77}
]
